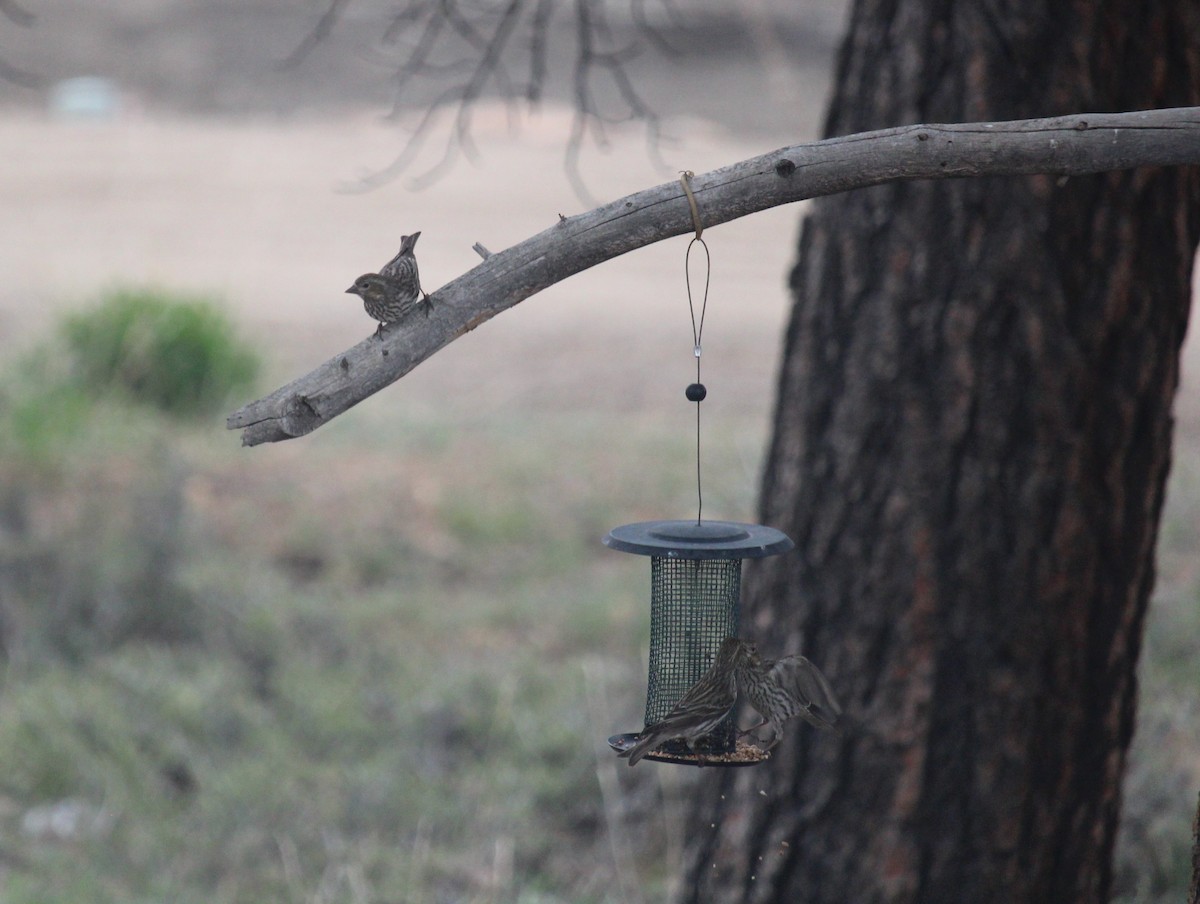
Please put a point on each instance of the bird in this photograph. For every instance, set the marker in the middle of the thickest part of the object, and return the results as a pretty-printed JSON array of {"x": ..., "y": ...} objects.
[
  {"x": 785, "y": 688},
  {"x": 701, "y": 709},
  {"x": 395, "y": 291}
]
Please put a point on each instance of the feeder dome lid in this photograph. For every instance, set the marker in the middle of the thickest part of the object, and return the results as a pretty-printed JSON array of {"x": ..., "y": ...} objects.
[{"x": 698, "y": 539}]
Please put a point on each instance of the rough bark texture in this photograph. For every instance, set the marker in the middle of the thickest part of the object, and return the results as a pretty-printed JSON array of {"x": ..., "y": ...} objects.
[
  {"x": 971, "y": 442},
  {"x": 1194, "y": 890}
]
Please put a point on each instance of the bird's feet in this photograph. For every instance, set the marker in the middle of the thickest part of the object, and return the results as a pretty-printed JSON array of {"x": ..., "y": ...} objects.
[
  {"x": 379, "y": 331},
  {"x": 428, "y": 302}
]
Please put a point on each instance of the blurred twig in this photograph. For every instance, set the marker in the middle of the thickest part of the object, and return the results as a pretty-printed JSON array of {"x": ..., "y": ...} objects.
[
  {"x": 320, "y": 32},
  {"x": 18, "y": 15},
  {"x": 469, "y": 51},
  {"x": 610, "y": 785},
  {"x": 25, "y": 79},
  {"x": 646, "y": 27}
]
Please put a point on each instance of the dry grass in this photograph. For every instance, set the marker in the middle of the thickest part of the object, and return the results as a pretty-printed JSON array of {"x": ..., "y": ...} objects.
[{"x": 381, "y": 665}]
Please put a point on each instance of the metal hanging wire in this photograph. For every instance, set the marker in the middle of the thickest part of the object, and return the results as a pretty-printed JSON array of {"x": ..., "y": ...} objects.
[{"x": 696, "y": 392}]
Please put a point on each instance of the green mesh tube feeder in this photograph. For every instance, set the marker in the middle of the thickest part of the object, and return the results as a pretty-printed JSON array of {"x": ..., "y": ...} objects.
[{"x": 695, "y": 592}]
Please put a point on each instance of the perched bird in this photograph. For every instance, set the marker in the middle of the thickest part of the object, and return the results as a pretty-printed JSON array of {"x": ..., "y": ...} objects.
[
  {"x": 782, "y": 689},
  {"x": 701, "y": 709},
  {"x": 395, "y": 291}
]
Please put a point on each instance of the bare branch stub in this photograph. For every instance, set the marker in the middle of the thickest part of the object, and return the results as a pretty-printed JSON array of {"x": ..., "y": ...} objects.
[{"x": 1063, "y": 146}]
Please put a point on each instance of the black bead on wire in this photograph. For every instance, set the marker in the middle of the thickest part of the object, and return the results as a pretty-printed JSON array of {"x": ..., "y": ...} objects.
[{"x": 696, "y": 391}]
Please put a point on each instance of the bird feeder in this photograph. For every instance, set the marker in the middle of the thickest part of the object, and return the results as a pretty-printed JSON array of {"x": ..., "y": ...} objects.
[
  {"x": 695, "y": 591},
  {"x": 695, "y": 583}
]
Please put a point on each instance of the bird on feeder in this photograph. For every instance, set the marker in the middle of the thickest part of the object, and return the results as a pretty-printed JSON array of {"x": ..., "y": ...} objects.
[
  {"x": 695, "y": 584},
  {"x": 783, "y": 689},
  {"x": 701, "y": 709}
]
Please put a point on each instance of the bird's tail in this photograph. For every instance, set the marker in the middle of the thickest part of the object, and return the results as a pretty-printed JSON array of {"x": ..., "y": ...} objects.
[{"x": 647, "y": 742}]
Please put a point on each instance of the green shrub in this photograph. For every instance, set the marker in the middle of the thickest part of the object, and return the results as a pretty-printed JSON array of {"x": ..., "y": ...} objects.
[
  {"x": 38, "y": 417},
  {"x": 93, "y": 557},
  {"x": 177, "y": 354}
]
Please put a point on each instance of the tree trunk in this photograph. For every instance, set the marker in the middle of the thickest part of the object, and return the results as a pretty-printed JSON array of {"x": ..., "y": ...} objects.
[
  {"x": 1194, "y": 890},
  {"x": 972, "y": 436}
]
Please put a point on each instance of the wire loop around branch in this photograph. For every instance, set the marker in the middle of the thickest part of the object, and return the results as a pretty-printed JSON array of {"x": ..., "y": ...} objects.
[{"x": 685, "y": 179}]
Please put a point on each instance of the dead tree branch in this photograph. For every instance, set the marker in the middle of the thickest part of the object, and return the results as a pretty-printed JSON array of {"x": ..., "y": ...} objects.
[{"x": 1063, "y": 146}]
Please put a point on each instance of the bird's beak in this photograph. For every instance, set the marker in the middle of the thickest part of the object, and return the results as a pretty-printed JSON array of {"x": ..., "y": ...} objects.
[{"x": 352, "y": 291}]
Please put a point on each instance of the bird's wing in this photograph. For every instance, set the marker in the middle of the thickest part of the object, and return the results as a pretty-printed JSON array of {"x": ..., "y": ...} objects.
[
  {"x": 804, "y": 682},
  {"x": 700, "y": 709},
  {"x": 676, "y": 725}
]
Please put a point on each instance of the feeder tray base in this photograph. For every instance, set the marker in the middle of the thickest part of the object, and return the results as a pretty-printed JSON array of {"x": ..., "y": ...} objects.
[{"x": 744, "y": 754}]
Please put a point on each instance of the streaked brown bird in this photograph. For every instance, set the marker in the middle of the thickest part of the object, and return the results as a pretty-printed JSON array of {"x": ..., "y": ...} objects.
[
  {"x": 395, "y": 291},
  {"x": 785, "y": 688},
  {"x": 701, "y": 709}
]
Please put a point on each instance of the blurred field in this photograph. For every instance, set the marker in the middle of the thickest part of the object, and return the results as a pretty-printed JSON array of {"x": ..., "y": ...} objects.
[
  {"x": 382, "y": 659},
  {"x": 402, "y": 642}
]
